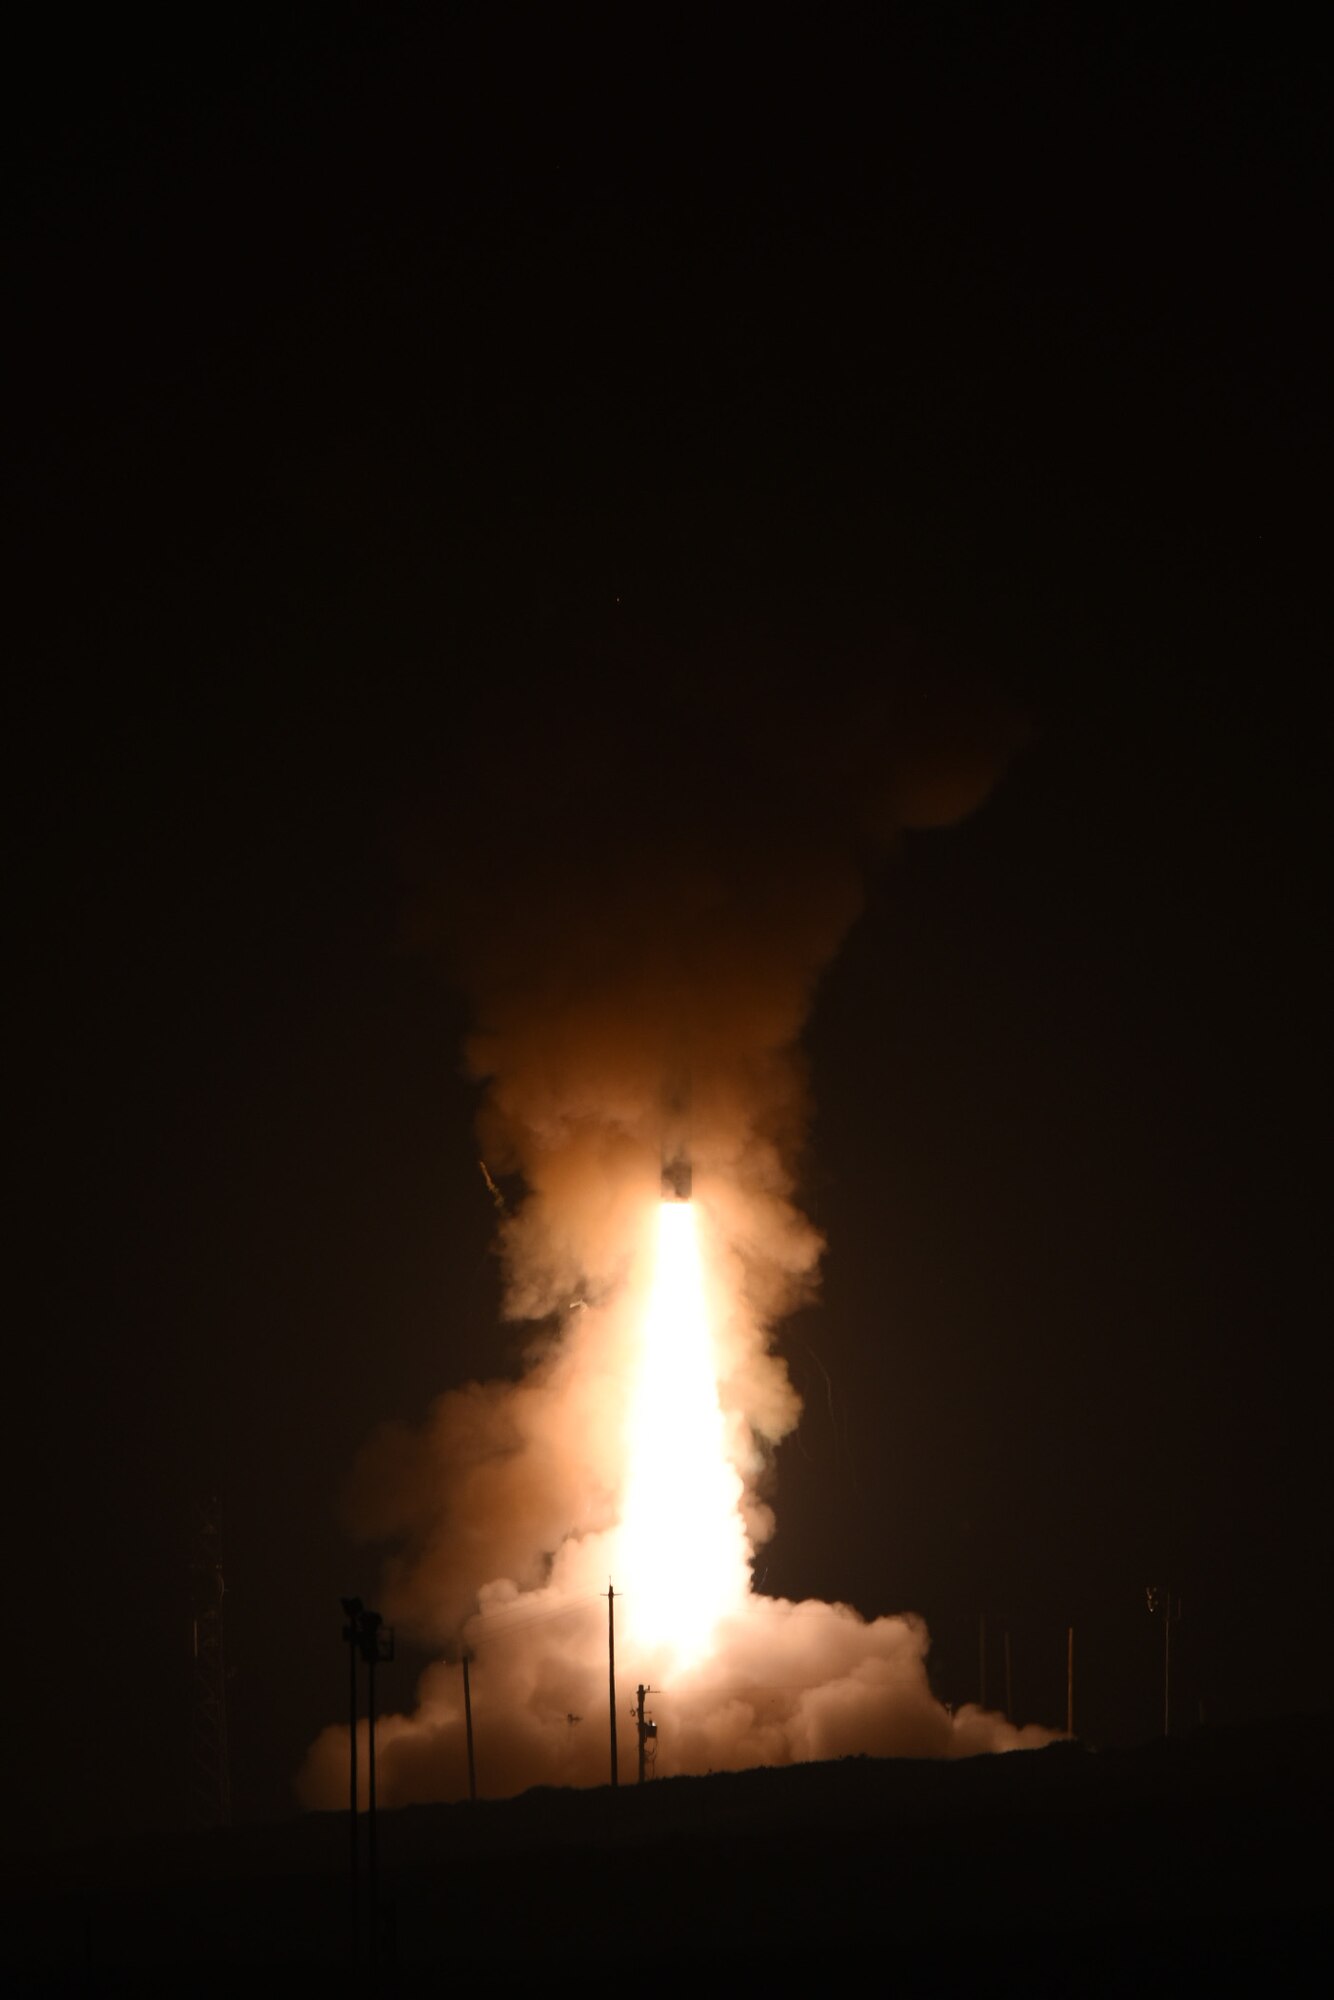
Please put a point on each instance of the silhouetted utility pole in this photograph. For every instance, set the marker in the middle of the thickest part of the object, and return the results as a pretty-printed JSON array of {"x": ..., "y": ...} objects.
[
  {"x": 1009, "y": 1680},
  {"x": 981, "y": 1659},
  {"x": 648, "y": 1730},
  {"x": 210, "y": 1772},
  {"x": 366, "y": 1634},
  {"x": 377, "y": 1643},
  {"x": 1069, "y": 1680},
  {"x": 353, "y": 1608},
  {"x": 467, "y": 1719},
  {"x": 611, "y": 1673},
  {"x": 1160, "y": 1602}
]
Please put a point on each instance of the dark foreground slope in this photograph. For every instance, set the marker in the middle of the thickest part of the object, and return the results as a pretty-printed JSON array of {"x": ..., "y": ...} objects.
[{"x": 1093, "y": 1872}]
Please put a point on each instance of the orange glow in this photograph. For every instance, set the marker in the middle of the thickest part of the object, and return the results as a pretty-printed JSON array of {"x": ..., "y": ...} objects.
[{"x": 683, "y": 1545}]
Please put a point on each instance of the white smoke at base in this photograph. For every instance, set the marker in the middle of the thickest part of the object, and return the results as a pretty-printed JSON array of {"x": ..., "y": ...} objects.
[
  {"x": 787, "y": 1683},
  {"x": 738, "y": 1679}
]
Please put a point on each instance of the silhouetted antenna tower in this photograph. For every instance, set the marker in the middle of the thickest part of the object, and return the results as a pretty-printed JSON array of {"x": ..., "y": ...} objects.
[{"x": 210, "y": 1770}]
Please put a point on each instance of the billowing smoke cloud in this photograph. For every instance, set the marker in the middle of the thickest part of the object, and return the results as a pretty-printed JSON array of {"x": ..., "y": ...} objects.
[{"x": 642, "y": 916}]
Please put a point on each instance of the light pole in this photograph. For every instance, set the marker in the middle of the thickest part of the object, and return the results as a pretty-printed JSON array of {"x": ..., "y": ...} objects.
[
  {"x": 467, "y": 1723},
  {"x": 377, "y": 1643},
  {"x": 1159, "y": 1602},
  {"x": 353, "y": 1610}
]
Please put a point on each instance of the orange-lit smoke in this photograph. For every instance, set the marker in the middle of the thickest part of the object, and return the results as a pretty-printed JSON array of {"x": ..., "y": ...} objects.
[{"x": 637, "y": 1443}]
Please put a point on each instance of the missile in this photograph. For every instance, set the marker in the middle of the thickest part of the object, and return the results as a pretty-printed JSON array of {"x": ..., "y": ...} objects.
[{"x": 677, "y": 1173}]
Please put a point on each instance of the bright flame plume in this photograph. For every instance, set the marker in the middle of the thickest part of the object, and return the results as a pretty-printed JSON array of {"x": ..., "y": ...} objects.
[{"x": 683, "y": 1546}]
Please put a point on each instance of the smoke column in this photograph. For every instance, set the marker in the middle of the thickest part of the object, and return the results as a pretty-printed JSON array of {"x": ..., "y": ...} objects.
[{"x": 660, "y": 909}]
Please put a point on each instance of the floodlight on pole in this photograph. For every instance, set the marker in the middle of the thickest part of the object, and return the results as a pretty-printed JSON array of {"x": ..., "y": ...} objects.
[{"x": 375, "y": 1641}]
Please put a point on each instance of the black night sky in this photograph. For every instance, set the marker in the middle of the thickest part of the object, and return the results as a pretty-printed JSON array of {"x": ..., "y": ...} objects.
[{"x": 384, "y": 396}]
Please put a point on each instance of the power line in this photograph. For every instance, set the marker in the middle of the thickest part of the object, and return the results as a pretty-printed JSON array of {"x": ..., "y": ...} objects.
[{"x": 526, "y": 1624}]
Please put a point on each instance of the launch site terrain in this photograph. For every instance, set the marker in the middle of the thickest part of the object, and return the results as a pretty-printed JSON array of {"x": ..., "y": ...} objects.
[{"x": 1106, "y": 1870}]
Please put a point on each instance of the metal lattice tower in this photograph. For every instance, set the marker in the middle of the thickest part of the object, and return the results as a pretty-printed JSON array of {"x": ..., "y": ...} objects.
[{"x": 210, "y": 1771}]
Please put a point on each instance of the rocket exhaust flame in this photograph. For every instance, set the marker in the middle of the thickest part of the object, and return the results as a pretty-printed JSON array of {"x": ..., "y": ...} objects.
[{"x": 683, "y": 1544}]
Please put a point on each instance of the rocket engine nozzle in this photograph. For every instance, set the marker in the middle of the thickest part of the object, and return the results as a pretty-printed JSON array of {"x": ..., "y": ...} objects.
[{"x": 677, "y": 1179}]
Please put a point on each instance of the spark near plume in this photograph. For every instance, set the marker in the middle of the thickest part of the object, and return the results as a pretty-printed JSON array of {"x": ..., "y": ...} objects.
[{"x": 670, "y": 917}]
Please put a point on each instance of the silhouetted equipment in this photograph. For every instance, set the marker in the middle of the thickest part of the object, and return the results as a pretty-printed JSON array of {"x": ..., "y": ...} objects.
[
  {"x": 366, "y": 1634},
  {"x": 648, "y": 1729},
  {"x": 611, "y": 1673},
  {"x": 210, "y": 1769},
  {"x": 467, "y": 1718}
]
